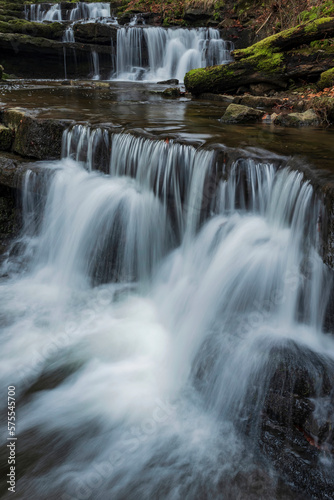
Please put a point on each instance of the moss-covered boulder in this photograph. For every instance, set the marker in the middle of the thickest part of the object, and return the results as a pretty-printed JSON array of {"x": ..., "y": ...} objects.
[
  {"x": 326, "y": 79},
  {"x": 236, "y": 113},
  {"x": 52, "y": 31},
  {"x": 308, "y": 118},
  {"x": 6, "y": 136}
]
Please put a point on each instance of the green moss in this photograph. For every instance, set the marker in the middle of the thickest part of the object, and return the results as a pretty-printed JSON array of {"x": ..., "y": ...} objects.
[
  {"x": 312, "y": 27},
  {"x": 326, "y": 79},
  {"x": 53, "y": 31},
  {"x": 270, "y": 44}
]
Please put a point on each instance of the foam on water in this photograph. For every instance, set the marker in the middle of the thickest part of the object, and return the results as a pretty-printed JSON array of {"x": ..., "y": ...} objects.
[{"x": 144, "y": 313}]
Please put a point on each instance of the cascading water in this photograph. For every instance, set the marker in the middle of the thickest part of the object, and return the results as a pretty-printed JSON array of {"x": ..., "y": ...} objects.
[
  {"x": 55, "y": 12},
  {"x": 129, "y": 332},
  {"x": 158, "y": 54},
  {"x": 95, "y": 65}
]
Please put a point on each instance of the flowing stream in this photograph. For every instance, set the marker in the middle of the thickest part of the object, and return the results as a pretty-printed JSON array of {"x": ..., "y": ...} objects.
[
  {"x": 141, "y": 307},
  {"x": 141, "y": 53}
]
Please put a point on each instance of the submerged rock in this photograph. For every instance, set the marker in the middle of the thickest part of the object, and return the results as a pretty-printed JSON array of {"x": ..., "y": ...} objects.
[
  {"x": 236, "y": 113},
  {"x": 308, "y": 118}
]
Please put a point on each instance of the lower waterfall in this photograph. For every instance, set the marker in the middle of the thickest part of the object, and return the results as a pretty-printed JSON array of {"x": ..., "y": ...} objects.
[{"x": 143, "y": 309}]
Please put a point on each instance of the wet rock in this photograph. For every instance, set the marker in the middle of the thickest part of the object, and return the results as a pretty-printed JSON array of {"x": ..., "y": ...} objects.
[
  {"x": 40, "y": 139},
  {"x": 307, "y": 118},
  {"x": 297, "y": 419},
  {"x": 172, "y": 92},
  {"x": 172, "y": 81},
  {"x": 257, "y": 101},
  {"x": 6, "y": 136},
  {"x": 236, "y": 113},
  {"x": 34, "y": 137},
  {"x": 97, "y": 33}
]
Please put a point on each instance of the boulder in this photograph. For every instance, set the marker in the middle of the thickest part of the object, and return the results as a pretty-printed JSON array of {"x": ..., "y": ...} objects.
[
  {"x": 236, "y": 113},
  {"x": 308, "y": 118},
  {"x": 197, "y": 14},
  {"x": 99, "y": 33},
  {"x": 34, "y": 137}
]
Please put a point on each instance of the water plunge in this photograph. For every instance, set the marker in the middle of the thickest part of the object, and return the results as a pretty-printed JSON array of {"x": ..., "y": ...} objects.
[
  {"x": 144, "y": 320},
  {"x": 153, "y": 54}
]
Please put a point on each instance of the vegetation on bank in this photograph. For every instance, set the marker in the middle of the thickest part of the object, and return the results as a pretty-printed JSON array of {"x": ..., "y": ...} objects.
[{"x": 284, "y": 60}]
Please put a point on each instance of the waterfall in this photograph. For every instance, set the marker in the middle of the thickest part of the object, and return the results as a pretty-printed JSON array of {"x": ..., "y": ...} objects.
[
  {"x": 95, "y": 65},
  {"x": 158, "y": 288},
  {"x": 90, "y": 11},
  {"x": 68, "y": 36},
  {"x": 77, "y": 12},
  {"x": 170, "y": 52}
]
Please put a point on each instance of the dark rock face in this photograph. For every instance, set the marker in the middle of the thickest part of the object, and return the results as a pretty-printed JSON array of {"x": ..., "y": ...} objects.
[
  {"x": 297, "y": 421},
  {"x": 96, "y": 33},
  {"x": 33, "y": 137},
  {"x": 6, "y": 137},
  {"x": 39, "y": 139},
  {"x": 197, "y": 14}
]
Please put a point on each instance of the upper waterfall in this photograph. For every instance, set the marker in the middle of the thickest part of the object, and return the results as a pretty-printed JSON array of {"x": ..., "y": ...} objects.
[
  {"x": 153, "y": 53},
  {"x": 55, "y": 12}
]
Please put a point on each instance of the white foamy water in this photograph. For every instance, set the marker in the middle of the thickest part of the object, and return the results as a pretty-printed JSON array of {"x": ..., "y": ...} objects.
[
  {"x": 56, "y": 12},
  {"x": 152, "y": 53},
  {"x": 144, "y": 313}
]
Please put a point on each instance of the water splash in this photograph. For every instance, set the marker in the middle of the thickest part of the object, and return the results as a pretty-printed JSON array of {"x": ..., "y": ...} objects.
[{"x": 145, "y": 335}]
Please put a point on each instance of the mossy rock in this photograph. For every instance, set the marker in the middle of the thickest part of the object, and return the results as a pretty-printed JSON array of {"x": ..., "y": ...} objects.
[
  {"x": 53, "y": 31},
  {"x": 236, "y": 113},
  {"x": 6, "y": 136},
  {"x": 326, "y": 79},
  {"x": 226, "y": 78},
  {"x": 307, "y": 119},
  {"x": 172, "y": 92}
]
